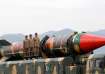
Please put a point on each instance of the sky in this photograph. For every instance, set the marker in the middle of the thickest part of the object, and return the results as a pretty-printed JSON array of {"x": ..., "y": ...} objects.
[{"x": 30, "y": 16}]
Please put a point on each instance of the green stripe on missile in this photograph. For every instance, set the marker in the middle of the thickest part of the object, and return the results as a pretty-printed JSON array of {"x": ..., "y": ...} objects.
[{"x": 77, "y": 42}]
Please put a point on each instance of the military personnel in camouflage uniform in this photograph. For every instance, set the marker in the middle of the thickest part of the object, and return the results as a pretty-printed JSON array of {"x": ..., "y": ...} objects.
[
  {"x": 26, "y": 46},
  {"x": 36, "y": 45},
  {"x": 31, "y": 46}
]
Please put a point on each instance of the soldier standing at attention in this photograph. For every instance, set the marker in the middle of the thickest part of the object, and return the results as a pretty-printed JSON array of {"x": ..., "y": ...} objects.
[
  {"x": 36, "y": 46},
  {"x": 31, "y": 46},
  {"x": 26, "y": 46}
]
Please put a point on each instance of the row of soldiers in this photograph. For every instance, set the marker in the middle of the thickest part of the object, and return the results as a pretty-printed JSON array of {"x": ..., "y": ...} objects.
[{"x": 31, "y": 46}]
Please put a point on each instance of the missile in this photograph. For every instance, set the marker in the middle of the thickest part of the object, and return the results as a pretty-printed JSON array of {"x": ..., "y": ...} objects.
[{"x": 73, "y": 44}]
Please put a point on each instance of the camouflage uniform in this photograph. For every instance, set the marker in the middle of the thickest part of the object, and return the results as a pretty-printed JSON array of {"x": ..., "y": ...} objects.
[{"x": 36, "y": 45}]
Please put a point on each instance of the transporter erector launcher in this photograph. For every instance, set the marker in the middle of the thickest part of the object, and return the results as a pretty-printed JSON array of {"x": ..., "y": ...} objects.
[{"x": 72, "y": 45}]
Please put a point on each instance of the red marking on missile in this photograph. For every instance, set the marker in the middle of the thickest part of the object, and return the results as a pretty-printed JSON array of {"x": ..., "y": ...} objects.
[
  {"x": 89, "y": 42},
  {"x": 49, "y": 43}
]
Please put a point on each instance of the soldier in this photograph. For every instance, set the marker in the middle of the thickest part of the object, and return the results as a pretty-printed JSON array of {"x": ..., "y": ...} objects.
[
  {"x": 31, "y": 46},
  {"x": 26, "y": 46},
  {"x": 36, "y": 45}
]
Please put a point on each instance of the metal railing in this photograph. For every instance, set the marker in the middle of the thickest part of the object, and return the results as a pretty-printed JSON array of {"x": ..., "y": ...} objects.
[{"x": 39, "y": 66}]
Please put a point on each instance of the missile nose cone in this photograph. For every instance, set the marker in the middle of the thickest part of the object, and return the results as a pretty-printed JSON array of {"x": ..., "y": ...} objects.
[{"x": 89, "y": 42}]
